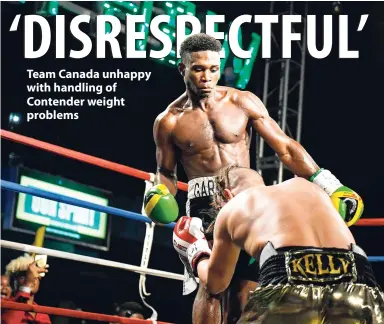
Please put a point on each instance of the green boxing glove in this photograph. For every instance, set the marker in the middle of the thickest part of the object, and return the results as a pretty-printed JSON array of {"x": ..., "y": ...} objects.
[
  {"x": 160, "y": 205},
  {"x": 346, "y": 201}
]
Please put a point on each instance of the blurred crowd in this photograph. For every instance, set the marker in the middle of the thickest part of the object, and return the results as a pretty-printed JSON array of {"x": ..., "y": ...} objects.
[{"x": 21, "y": 283}]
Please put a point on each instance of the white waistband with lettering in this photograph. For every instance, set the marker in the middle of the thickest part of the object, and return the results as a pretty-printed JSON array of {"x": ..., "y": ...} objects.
[{"x": 201, "y": 187}]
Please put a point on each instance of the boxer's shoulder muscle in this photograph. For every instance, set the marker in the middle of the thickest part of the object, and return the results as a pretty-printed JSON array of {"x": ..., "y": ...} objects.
[
  {"x": 164, "y": 124},
  {"x": 251, "y": 104},
  {"x": 235, "y": 213},
  {"x": 167, "y": 119}
]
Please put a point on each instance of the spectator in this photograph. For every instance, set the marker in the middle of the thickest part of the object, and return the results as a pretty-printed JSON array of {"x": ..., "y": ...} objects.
[
  {"x": 130, "y": 310},
  {"x": 24, "y": 277},
  {"x": 68, "y": 304},
  {"x": 6, "y": 290}
]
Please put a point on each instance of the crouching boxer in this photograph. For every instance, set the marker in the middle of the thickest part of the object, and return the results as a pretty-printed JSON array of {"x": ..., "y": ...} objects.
[
  {"x": 200, "y": 203},
  {"x": 209, "y": 127},
  {"x": 311, "y": 270}
]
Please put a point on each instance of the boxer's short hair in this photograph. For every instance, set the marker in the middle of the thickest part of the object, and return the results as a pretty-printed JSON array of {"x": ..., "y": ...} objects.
[
  {"x": 228, "y": 180},
  {"x": 222, "y": 182},
  {"x": 209, "y": 231},
  {"x": 198, "y": 43}
]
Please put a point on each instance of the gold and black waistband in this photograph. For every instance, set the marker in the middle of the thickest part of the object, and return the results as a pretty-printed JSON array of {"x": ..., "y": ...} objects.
[{"x": 320, "y": 266}]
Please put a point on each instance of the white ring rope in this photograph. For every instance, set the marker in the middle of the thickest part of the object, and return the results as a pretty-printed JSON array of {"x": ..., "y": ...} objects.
[
  {"x": 81, "y": 258},
  {"x": 147, "y": 247}
]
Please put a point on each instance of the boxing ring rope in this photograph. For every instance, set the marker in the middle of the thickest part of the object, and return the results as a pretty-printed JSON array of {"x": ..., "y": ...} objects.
[
  {"x": 120, "y": 212},
  {"x": 148, "y": 177},
  {"x": 370, "y": 222},
  {"x": 77, "y": 202},
  {"x": 72, "y": 313},
  {"x": 82, "y": 157},
  {"x": 82, "y": 258}
]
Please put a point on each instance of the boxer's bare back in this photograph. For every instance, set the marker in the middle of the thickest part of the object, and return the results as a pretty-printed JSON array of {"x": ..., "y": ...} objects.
[{"x": 293, "y": 213}]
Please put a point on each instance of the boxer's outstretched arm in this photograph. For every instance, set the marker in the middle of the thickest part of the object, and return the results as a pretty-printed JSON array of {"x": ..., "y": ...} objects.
[
  {"x": 216, "y": 272},
  {"x": 165, "y": 152},
  {"x": 291, "y": 153}
]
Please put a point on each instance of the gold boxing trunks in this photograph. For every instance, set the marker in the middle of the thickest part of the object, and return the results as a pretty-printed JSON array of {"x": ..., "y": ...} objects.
[{"x": 301, "y": 285}]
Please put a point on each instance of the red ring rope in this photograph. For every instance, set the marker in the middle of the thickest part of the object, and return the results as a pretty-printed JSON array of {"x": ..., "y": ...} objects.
[
  {"x": 119, "y": 167},
  {"x": 370, "y": 222},
  {"x": 81, "y": 157},
  {"x": 72, "y": 313}
]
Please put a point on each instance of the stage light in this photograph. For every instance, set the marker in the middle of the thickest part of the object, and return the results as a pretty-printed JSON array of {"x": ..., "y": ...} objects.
[
  {"x": 48, "y": 8},
  {"x": 14, "y": 120},
  {"x": 336, "y": 7},
  {"x": 242, "y": 68}
]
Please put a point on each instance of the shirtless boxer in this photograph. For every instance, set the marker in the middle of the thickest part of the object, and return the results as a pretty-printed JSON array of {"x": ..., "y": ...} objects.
[
  {"x": 311, "y": 270},
  {"x": 206, "y": 129}
]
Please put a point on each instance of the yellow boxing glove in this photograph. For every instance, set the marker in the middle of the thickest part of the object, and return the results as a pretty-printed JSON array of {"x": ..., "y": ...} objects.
[{"x": 347, "y": 202}]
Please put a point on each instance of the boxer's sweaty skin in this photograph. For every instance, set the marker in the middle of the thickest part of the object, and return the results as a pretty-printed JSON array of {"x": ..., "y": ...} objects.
[
  {"x": 209, "y": 137},
  {"x": 293, "y": 213},
  {"x": 204, "y": 138},
  {"x": 208, "y": 128}
]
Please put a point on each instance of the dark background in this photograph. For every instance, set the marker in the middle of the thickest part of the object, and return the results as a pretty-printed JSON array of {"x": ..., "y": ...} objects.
[{"x": 342, "y": 130}]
